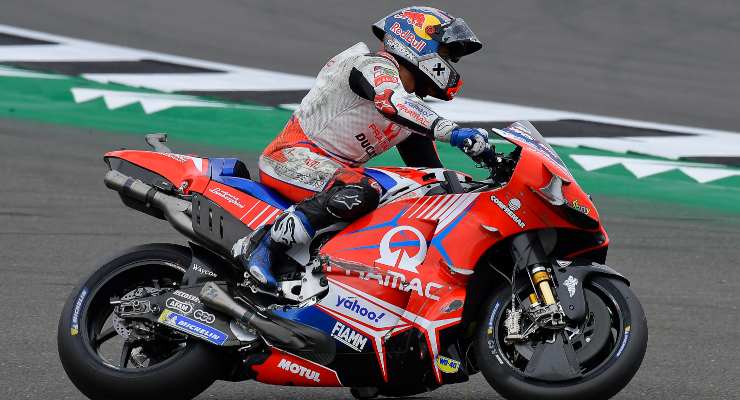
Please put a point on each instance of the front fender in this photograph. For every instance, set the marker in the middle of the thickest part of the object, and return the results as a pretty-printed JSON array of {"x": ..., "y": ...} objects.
[{"x": 570, "y": 279}]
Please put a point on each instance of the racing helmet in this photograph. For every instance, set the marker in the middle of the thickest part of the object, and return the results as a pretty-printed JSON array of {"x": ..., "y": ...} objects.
[{"x": 413, "y": 35}]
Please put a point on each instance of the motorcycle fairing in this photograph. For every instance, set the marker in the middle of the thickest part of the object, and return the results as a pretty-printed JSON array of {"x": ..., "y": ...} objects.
[
  {"x": 393, "y": 262},
  {"x": 249, "y": 210},
  {"x": 176, "y": 168},
  {"x": 232, "y": 172},
  {"x": 283, "y": 368},
  {"x": 542, "y": 163}
]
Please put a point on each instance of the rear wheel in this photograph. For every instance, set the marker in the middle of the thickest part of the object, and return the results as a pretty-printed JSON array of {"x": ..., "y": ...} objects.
[
  {"x": 108, "y": 357},
  {"x": 608, "y": 346}
]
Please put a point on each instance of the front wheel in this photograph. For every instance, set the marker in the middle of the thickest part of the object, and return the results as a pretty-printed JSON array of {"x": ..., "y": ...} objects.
[
  {"x": 108, "y": 357},
  {"x": 607, "y": 347}
]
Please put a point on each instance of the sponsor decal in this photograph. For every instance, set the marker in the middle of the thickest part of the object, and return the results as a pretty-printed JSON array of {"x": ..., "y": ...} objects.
[
  {"x": 627, "y": 330},
  {"x": 204, "y": 316},
  {"x": 444, "y": 126},
  {"x": 198, "y": 162},
  {"x": 75, "y": 327},
  {"x": 386, "y": 135},
  {"x": 397, "y": 280},
  {"x": 365, "y": 143},
  {"x": 400, "y": 258},
  {"x": 348, "y": 336},
  {"x": 582, "y": 209},
  {"x": 383, "y": 103},
  {"x": 453, "y": 306},
  {"x": 379, "y": 69},
  {"x": 187, "y": 296},
  {"x": 408, "y": 37},
  {"x": 412, "y": 17},
  {"x": 436, "y": 70},
  {"x": 425, "y": 25},
  {"x": 355, "y": 305},
  {"x": 203, "y": 271},
  {"x": 348, "y": 200},
  {"x": 190, "y": 326},
  {"x": 491, "y": 343},
  {"x": 571, "y": 284},
  {"x": 421, "y": 109},
  {"x": 414, "y": 115},
  {"x": 230, "y": 198},
  {"x": 508, "y": 211},
  {"x": 180, "y": 306},
  {"x": 299, "y": 370},
  {"x": 177, "y": 157},
  {"x": 515, "y": 204},
  {"x": 384, "y": 75},
  {"x": 447, "y": 365}
]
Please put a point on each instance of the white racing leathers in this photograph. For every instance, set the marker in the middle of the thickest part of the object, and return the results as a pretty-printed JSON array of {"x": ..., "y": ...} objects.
[{"x": 358, "y": 108}]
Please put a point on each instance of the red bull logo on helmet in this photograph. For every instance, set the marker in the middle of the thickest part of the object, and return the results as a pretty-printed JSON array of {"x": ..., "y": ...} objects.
[
  {"x": 423, "y": 23},
  {"x": 408, "y": 37},
  {"x": 412, "y": 17}
]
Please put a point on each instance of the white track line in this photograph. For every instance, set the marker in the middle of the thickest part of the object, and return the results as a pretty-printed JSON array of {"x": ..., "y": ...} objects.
[{"x": 706, "y": 142}]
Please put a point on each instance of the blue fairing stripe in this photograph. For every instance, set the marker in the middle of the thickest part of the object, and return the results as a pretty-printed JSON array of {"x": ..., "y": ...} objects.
[{"x": 385, "y": 181}]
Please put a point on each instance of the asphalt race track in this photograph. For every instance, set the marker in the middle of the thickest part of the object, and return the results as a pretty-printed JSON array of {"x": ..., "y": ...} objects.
[{"x": 57, "y": 220}]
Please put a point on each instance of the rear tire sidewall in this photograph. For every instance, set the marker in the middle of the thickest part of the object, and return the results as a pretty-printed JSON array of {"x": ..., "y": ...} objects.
[
  {"x": 606, "y": 382},
  {"x": 184, "y": 376}
]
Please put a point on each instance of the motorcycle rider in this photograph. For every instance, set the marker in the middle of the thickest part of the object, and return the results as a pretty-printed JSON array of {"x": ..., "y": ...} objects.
[{"x": 362, "y": 104}]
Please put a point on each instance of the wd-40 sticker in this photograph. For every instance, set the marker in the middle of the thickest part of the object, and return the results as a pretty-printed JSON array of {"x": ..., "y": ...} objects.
[
  {"x": 75, "y": 327},
  {"x": 357, "y": 308},
  {"x": 187, "y": 325},
  {"x": 447, "y": 365},
  {"x": 348, "y": 336}
]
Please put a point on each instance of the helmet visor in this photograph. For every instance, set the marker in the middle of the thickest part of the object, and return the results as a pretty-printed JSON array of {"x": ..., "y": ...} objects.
[{"x": 459, "y": 38}]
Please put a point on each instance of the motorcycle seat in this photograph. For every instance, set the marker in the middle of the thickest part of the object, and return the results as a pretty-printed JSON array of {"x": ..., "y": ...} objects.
[{"x": 233, "y": 172}]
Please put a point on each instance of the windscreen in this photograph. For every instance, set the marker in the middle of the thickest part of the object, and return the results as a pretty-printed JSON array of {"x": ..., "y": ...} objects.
[{"x": 523, "y": 133}]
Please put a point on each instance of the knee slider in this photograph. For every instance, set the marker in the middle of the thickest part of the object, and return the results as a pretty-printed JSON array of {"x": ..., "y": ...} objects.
[{"x": 349, "y": 202}]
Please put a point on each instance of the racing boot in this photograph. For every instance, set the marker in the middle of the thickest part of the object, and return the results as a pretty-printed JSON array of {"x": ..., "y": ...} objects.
[{"x": 255, "y": 251}]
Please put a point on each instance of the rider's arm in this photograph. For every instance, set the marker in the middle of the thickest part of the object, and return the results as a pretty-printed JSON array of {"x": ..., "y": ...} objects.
[
  {"x": 375, "y": 77},
  {"x": 419, "y": 151}
]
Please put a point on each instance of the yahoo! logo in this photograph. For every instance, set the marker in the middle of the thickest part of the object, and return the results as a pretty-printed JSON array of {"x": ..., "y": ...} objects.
[{"x": 353, "y": 305}]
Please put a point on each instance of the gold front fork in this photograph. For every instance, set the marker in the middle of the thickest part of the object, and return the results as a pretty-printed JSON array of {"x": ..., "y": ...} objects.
[{"x": 543, "y": 284}]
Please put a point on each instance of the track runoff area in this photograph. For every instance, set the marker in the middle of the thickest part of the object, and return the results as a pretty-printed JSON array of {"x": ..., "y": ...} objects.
[{"x": 67, "y": 81}]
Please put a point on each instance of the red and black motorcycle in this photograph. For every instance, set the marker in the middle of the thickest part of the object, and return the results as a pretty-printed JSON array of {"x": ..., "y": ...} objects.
[{"x": 448, "y": 277}]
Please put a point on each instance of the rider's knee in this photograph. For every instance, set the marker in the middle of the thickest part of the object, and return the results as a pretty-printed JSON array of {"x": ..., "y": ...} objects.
[{"x": 351, "y": 201}]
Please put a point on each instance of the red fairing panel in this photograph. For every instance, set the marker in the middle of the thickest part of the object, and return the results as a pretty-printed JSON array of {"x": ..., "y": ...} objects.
[
  {"x": 391, "y": 265},
  {"x": 176, "y": 168},
  {"x": 249, "y": 210},
  {"x": 282, "y": 368}
]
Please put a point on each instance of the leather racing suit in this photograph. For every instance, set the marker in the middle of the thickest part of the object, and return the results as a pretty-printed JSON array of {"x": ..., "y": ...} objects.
[{"x": 356, "y": 110}]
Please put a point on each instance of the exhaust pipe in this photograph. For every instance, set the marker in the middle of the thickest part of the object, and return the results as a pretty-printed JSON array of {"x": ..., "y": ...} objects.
[
  {"x": 176, "y": 211},
  {"x": 296, "y": 338}
]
